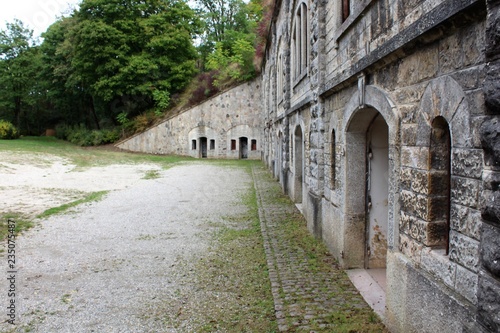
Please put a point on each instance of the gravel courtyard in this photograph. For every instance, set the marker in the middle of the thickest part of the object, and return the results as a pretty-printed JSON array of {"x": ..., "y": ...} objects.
[
  {"x": 173, "y": 247},
  {"x": 107, "y": 266}
]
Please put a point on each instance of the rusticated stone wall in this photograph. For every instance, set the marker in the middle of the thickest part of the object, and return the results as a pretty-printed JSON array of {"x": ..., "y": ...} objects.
[
  {"x": 430, "y": 69},
  {"x": 489, "y": 277}
]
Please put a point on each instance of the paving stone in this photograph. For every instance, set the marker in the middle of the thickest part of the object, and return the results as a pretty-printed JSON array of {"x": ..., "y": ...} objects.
[{"x": 305, "y": 298}]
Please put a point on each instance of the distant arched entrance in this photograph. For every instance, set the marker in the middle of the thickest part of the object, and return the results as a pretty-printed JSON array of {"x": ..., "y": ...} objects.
[
  {"x": 298, "y": 164},
  {"x": 279, "y": 156},
  {"x": 243, "y": 147},
  {"x": 203, "y": 147}
]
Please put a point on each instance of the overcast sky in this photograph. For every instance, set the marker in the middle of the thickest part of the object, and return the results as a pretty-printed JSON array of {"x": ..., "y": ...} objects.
[{"x": 38, "y": 15}]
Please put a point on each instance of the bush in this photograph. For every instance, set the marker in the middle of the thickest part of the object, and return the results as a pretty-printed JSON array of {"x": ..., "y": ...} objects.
[
  {"x": 62, "y": 131},
  {"x": 8, "y": 131},
  {"x": 81, "y": 136},
  {"x": 205, "y": 87}
]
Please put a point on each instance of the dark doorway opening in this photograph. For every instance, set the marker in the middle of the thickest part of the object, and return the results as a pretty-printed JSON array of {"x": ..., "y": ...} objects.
[
  {"x": 243, "y": 147},
  {"x": 204, "y": 147}
]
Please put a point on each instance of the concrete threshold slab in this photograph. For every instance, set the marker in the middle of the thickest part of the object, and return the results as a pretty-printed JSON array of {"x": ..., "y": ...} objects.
[
  {"x": 371, "y": 285},
  {"x": 299, "y": 207}
]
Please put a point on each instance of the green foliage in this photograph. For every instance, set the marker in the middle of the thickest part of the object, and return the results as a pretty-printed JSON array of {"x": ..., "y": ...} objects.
[
  {"x": 7, "y": 131},
  {"x": 238, "y": 66},
  {"x": 162, "y": 101},
  {"x": 81, "y": 136},
  {"x": 21, "y": 94},
  {"x": 231, "y": 32},
  {"x": 136, "y": 49},
  {"x": 114, "y": 60},
  {"x": 122, "y": 118}
]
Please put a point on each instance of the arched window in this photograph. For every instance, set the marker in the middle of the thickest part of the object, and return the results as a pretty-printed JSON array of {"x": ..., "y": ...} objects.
[
  {"x": 333, "y": 166},
  {"x": 280, "y": 72},
  {"x": 346, "y": 9},
  {"x": 300, "y": 42},
  {"x": 439, "y": 179}
]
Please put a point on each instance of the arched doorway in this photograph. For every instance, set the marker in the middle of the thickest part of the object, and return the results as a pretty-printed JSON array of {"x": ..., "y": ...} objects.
[
  {"x": 298, "y": 163},
  {"x": 243, "y": 147},
  {"x": 203, "y": 147},
  {"x": 367, "y": 189},
  {"x": 279, "y": 156},
  {"x": 377, "y": 193},
  {"x": 367, "y": 204},
  {"x": 370, "y": 121}
]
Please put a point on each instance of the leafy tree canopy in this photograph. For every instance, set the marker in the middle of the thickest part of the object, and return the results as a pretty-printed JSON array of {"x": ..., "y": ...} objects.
[
  {"x": 134, "y": 48},
  {"x": 19, "y": 64},
  {"x": 228, "y": 42},
  {"x": 115, "y": 59}
]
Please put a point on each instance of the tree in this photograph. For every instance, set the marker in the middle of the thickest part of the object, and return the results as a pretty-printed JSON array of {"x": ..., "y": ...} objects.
[
  {"x": 138, "y": 50},
  {"x": 19, "y": 65},
  {"x": 69, "y": 100},
  {"x": 228, "y": 44}
]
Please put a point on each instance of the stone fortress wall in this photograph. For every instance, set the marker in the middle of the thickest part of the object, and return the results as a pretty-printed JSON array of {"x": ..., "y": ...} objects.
[
  {"x": 225, "y": 126},
  {"x": 378, "y": 128},
  {"x": 380, "y": 119}
]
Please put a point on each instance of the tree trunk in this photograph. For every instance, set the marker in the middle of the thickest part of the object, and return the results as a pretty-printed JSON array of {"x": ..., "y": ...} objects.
[
  {"x": 17, "y": 112},
  {"x": 94, "y": 114}
]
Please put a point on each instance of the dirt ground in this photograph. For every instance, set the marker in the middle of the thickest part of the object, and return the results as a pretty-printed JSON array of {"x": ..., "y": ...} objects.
[
  {"x": 114, "y": 265},
  {"x": 32, "y": 183}
]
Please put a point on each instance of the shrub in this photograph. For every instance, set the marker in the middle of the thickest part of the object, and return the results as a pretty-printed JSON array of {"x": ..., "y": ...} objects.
[
  {"x": 205, "y": 87},
  {"x": 8, "y": 131},
  {"x": 62, "y": 131},
  {"x": 81, "y": 136},
  {"x": 143, "y": 121}
]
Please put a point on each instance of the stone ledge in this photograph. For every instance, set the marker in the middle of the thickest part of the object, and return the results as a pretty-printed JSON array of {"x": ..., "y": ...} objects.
[{"x": 417, "y": 30}]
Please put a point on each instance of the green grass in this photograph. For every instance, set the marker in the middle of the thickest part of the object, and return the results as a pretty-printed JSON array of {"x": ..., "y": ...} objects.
[
  {"x": 237, "y": 265},
  {"x": 85, "y": 157},
  {"x": 234, "y": 271},
  {"x": 22, "y": 223},
  {"x": 95, "y": 196},
  {"x": 351, "y": 314},
  {"x": 151, "y": 174}
]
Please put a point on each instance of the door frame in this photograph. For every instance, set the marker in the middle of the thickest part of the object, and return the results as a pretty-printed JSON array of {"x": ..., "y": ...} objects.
[{"x": 363, "y": 106}]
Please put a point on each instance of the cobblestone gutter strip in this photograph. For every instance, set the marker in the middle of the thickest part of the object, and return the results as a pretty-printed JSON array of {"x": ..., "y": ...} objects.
[{"x": 311, "y": 293}]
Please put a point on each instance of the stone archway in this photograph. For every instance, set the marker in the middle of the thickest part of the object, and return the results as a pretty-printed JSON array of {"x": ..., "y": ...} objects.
[
  {"x": 358, "y": 117},
  {"x": 298, "y": 164},
  {"x": 370, "y": 120}
]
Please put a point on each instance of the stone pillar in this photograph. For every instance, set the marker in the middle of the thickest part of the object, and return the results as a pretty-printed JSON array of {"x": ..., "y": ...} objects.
[{"x": 488, "y": 312}]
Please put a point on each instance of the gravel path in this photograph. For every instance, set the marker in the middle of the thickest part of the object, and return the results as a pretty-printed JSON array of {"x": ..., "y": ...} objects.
[{"x": 106, "y": 267}]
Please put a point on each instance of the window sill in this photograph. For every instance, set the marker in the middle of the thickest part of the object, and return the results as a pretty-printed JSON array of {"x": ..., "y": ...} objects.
[{"x": 299, "y": 79}]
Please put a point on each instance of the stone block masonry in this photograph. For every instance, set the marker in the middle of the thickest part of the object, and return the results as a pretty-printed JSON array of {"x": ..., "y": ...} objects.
[
  {"x": 227, "y": 125},
  {"x": 401, "y": 93}
]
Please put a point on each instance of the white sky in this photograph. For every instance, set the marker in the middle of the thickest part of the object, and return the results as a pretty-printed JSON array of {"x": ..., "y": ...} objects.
[{"x": 37, "y": 15}]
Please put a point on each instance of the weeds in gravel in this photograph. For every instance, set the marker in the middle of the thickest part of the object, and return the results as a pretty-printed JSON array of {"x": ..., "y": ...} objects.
[
  {"x": 233, "y": 292},
  {"x": 95, "y": 196},
  {"x": 152, "y": 174},
  {"x": 22, "y": 223}
]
